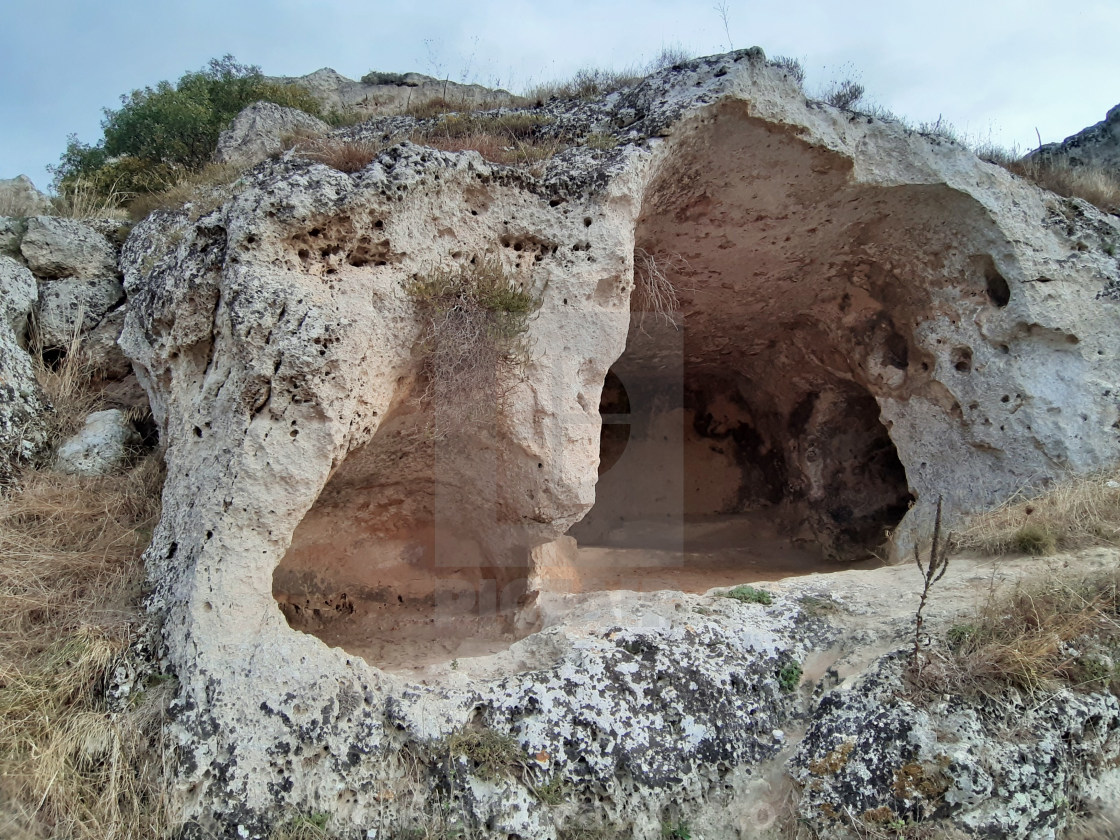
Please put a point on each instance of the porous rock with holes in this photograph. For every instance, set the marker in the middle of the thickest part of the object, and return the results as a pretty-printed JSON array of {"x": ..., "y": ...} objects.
[
  {"x": 869, "y": 319},
  {"x": 1006, "y": 767}
]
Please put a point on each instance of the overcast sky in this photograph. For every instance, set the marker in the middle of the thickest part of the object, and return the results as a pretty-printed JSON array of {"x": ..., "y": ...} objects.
[{"x": 993, "y": 68}]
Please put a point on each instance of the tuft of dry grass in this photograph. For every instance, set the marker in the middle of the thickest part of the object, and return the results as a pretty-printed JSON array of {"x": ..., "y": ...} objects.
[
  {"x": 654, "y": 291},
  {"x": 1043, "y": 635},
  {"x": 587, "y": 83},
  {"x": 344, "y": 155},
  {"x": 475, "y": 318},
  {"x": 70, "y": 577},
  {"x": 1076, "y": 513},
  {"x": 510, "y": 138},
  {"x": 1096, "y": 185},
  {"x": 205, "y": 190},
  {"x": 79, "y": 199},
  {"x": 439, "y": 106}
]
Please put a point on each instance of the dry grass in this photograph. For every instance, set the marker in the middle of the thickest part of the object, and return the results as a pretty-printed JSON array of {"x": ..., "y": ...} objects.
[
  {"x": 70, "y": 577},
  {"x": 588, "y": 83},
  {"x": 473, "y": 339},
  {"x": 79, "y": 199},
  {"x": 344, "y": 155},
  {"x": 511, "y": 138},
  {"x": 69, "y": 581},
  {"x": 1043, "y": 635},
  {"x": 439, "y": 105},
  {"x": 1075, "y": 514},
  {"x": 205, "y": 190},
  {"x": 1096, "y": 185},
  {"x": 654, "y": 291}
]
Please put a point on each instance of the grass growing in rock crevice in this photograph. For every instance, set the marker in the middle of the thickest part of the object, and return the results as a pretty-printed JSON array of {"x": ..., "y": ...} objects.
[
  {"x": 1044, "y": 635},
  {"x": 1077, "y": 513},
  {"x": 473, "y": 342}
]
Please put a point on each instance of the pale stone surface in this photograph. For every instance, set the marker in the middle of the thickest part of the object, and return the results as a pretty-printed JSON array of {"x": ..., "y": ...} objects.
[
  {"x": 19, "y": 197},
  {"x": 966, "y": 318},
  {"x": 338, "y": 93},
  {"x": 103, "y": 445},
  {"x": 18, "y": 294},
  {"x": 259, "y": 131},
  {"x": 55, "y": 247},
  {"x": 72, "y": 307},
  {"x": 11, "y": 232}
]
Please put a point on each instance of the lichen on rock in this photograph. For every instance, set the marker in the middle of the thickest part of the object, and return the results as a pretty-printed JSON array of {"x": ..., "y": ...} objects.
[{"x": 869, "y": 320}]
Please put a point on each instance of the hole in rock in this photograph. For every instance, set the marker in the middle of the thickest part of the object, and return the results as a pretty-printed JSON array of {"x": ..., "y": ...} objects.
[
  {"x": 393, "y": 561},
  {"x": 744, "y": 432}
]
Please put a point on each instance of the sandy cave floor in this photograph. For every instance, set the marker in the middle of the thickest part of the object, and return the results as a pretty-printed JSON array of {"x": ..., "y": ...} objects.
[{"x": 701, "y": 554}]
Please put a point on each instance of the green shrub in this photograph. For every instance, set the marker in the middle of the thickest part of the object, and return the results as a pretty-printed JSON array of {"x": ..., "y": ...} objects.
[
  {"x": 749, "y": 595},
  {"x": 160, "y": 132},
  {"x": 376, "y": 77},
  {"x": 789, "y": 676}
]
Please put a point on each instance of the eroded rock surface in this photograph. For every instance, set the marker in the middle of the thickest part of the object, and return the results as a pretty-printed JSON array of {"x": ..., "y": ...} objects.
[
  {"x": 71, "y": 307},
  {"x": 393, "y": 94},
  {"x": 867, "y": 318},
  {"x": 259, "y": 131},
  {"x": 19, "y": 197},
  {"x": 55, "y": 247},
  {"x": 104, "y": 444}
]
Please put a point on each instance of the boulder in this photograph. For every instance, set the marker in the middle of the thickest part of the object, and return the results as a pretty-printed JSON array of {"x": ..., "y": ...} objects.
[
  {"x": 1096, "y": 146},
  {"x": 260, "y": 131},
  {"x": 100, "y": 351},
  {"x": 392, "y": 93},
  {"x": 71, "y": 307},
  {"x": 18, "y": 197},
  {"x": 104, "y": 444},
  {"x": 11, "y": 232},
  {"x": 55, "y": 247},
  {"x": 839, "y": 321},
  {"x": 18, "y": 295}
]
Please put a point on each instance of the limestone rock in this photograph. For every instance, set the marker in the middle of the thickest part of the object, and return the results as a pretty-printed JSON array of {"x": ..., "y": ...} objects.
[
  {"x": 993, "y": 768},
  {"x": 18, "y": 197},
  {"x": 258, "y": 131},
  {"x": 18, "y": 294},
  {"x": 872, "y": 319},
  {"x": 11, "y": 232},
  {"x": 55, "y": 247},
  {"x": 103, "y": 445},
  {"x": 22, "y": 405},
  {"x": 338, "y": 93},
  {"x": 72, "y": 307},
  {"x": 100, "y": 350},
  {"x": 1097, "y": 146}
]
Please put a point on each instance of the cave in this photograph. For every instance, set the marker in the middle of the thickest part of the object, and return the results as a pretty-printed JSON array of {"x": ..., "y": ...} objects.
[{"x": 779, "y": 315}]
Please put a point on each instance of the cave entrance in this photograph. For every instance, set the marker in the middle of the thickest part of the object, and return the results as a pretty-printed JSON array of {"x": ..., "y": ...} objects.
[
  {"x": 742, "y": 437},
  {"x": 389, "y": 565}
]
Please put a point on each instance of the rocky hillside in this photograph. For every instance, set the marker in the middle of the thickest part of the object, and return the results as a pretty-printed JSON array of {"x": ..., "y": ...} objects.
[{"x": 414, "y": 379}]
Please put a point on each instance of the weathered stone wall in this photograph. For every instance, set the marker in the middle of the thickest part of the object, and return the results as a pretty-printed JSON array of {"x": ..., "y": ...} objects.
[{"x": 836, "y": 259}]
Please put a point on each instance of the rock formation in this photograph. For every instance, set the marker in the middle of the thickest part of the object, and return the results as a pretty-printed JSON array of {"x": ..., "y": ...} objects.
[
  {"x": 856, "y": 320},
  {"x": 61, "y": 292},
  {"x": 19, "y": 197},
  {"x": 392, "y": 93},
  {"x": 1096, "y": 146},
  {"x": 259, "y": 131},
  {"x": 104, "y": 444}
]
